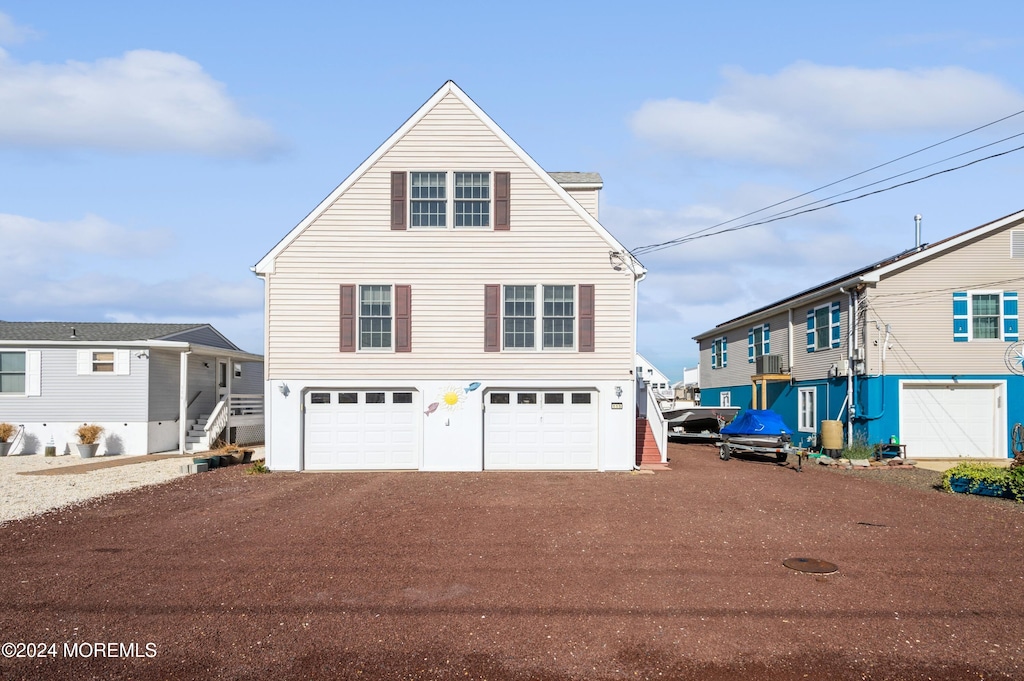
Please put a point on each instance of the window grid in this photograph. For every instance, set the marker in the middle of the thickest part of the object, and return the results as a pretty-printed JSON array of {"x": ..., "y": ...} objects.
[
  {"x": 985, "y": 315},
  {"x": 808, "y": 405},
  {"x": 559, "y": 316},
  {"x": 520, "y": 316},
  {"x": 758, "y": 333},
  {"x": 822, "y": 327},
  {"x": 103, "y": 362},
  {"x": 375, "y": 316},
  {"x": 472, "y": 199},
  {"x": 12, "y": 372},
  {"x": 429, "y": 201}
]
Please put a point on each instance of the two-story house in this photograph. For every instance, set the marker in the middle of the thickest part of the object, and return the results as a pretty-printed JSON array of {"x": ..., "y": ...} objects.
[
  {"x": 451, "y": 306},
  {"x": 922, "y": 347}
]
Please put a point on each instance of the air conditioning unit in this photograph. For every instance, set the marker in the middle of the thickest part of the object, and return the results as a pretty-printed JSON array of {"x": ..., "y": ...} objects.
[
  {"x": 768, "y": 364},
  {"x": 858, "y": 354}
]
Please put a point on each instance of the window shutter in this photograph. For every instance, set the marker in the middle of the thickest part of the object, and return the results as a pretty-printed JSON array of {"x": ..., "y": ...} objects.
[
  {"x": 750, "y": 346},
  {"x": 960, "y": 325},
  {"x": 725, "y": 351},
  {"x": 348, "y": 318},
  {"x": 84, "y": 362},
  {"x": 33, "y": 366},
  {"x": 1010, "y": 316},
  {"x": 714, "y": 352},
  {"x": 122, "y": 362},
  {"x": 837, "y": 332},
  {"x": 403, "y": 318},
  {"x": 586, "y": 318},
  {"x": 502, "y": 186},
  {"x": 764, "y": 337},
  {"x": 492, "y": 317},
  {"x": 398, "y": 200},
  {"x": 810, "y": 330}
]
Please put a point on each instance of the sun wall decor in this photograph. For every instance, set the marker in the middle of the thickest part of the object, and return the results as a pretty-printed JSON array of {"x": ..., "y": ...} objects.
[{"x": 451, "y": 398}]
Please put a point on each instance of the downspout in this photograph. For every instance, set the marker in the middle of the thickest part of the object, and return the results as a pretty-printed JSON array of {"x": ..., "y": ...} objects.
[
  {"x": 881, "y": 371},
  {"x": 851, "y": 368}
]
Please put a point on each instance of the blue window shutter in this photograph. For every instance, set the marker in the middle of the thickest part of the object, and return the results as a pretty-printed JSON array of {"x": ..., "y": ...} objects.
[
  {"x": 764, "y": 337},
  {"x": 1010, "y": 316},
  {"x": 714, "y": 348},
  {"x": 960, "y": 316},
  {"x": 750, "y": 346},
  {"x": 810, "y": 330},
  {"x": 725, "y": 354},
  {"x": 837, "y": 333}
]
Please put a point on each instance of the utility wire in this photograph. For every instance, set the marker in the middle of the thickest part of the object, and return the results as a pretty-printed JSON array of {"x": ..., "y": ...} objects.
[
  {"x": 831, "y": 184},
  {"x": 694, "y": 236}
]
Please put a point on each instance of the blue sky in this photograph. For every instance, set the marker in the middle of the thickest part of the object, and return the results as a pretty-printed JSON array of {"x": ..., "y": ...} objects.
[{"x": 151, "y": 153}]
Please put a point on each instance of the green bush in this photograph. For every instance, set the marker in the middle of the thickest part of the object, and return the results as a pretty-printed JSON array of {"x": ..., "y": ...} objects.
[
  {"x": 858, "y": 449},
  {"x": 258, "y": 467}
]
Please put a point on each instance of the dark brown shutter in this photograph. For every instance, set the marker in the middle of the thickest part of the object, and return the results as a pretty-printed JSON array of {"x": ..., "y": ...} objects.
[
  {"x": 501, "y": 199},
  {"x": 398, "y": 211},
  {"x": 492, "y": 318},
  {"x": 403, "y": 318},
  {"x": 586, "y": 317},
  {"x": 348, "y": 318}
]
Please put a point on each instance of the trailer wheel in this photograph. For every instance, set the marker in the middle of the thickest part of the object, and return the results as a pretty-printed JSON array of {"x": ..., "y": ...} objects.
[
  {"x": 781, "y": 457},
  {"x": 723, "y": 452}
]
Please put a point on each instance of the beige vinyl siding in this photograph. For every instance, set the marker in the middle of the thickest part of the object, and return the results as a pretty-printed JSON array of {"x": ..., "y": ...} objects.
[
  {"x": 808, "y": 366},
  {"x": 917, "y": 302},
  {"x": 352, "y": 243},
  {"x": 588, "y": 198},
  {"x": 738, "y": 370}
]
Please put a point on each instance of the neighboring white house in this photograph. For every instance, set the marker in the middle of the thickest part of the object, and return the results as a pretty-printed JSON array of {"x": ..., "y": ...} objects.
[
  {"x": 451, "y": 306},
  {"x": 153, "y": 387}
]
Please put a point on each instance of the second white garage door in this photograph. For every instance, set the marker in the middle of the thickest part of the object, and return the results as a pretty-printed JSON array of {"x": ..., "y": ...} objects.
[
  {"x": 951, "y": 420},
  {"x": 540, "y": 430},
  {"x": 361, "y": 430}
]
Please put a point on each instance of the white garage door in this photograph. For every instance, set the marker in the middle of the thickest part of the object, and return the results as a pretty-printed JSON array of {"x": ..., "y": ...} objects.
[
  {"x": 361, "y": 430},
  {"x": 540, "y": 430},
  {"x": 951, "y": 420}
]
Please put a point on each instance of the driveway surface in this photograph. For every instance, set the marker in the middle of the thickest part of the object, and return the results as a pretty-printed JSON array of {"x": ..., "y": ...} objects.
[{"x": 675, "y": 575}]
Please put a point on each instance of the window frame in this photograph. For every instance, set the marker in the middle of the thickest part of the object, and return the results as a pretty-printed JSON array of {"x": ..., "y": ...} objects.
[
  {"x": 359, "y": 317},
  {"x": 725, "y": 398},
  {"x": 819, "y": 328},
  {"x": 24, "y": 373},
  {"x": 539, "y": 318},
  {"x": 999, "y": 315},
  {"x": 450, "y": 200},
  {"x": 719, "y": 352},
  {"x": 802, "y": 412}
]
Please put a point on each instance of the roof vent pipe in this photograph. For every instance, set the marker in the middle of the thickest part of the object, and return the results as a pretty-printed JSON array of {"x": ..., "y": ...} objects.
[{"x": 917, "y": 230}]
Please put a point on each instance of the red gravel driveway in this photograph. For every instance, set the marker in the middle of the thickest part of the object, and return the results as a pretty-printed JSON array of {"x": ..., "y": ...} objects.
[{"x": 675, "y": 575}]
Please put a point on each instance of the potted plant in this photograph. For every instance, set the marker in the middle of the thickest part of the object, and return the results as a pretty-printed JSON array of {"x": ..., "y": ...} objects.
[
  {"x": 88, "y": 439},
  {"x": 7, "y": 431},
  {"x": 978, "y": 478}
]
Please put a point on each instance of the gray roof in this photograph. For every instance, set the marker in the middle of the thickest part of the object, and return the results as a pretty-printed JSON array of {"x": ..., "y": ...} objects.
[
  {"x": 89, "y": 331},
  {"x": 577, "y": 178}
]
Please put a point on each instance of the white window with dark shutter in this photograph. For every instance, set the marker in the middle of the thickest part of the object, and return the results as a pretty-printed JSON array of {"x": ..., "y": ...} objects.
[
  {"x": 824, "y": 328},
  {"x": 985, "y": 316},
  {"x": 548, "y": 317},
  {"x": 450, "y": 199},
  {"x": 757, "y": 341},
  {"x": 719, "y": 353}
]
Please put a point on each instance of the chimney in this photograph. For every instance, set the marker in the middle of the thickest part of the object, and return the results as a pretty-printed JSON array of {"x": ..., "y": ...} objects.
[{"x": 917, "y": 230}]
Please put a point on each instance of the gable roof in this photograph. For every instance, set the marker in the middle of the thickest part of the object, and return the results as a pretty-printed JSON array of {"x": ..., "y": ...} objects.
[
  {"x": 266, "y": 264},
  {"x": 874, "y": 272},
  {"x": 90, "y": 331},
  {"x": 578, "y": 180}
]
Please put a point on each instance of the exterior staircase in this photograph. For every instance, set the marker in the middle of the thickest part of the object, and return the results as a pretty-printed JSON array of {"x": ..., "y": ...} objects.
[
  {"x": 196, "y": 440},
  {"x": 647, "y": 454}
]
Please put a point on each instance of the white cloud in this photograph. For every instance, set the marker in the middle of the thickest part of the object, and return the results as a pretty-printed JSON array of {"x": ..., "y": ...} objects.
[
  {"x": 142, "y": 101},
  {"x": 29, "y": 243},
  {"x": 13, "y": 34},
  {"x": 807, "y": 112}
]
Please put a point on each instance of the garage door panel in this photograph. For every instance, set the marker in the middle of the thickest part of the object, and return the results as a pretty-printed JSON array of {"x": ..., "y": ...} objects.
[
  {"x": 950, "y": 420},
  {"x": 550, "y": 430},
  {"x": 357, "y": 430}
]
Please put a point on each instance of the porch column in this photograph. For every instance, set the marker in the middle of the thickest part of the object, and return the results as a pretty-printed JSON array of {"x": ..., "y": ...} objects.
[{"x": 183, "y": 402}]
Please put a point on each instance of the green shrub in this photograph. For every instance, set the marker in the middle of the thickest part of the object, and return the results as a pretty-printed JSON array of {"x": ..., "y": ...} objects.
[
  {"x": 1007, "y": 478},
  {"x": 258, "y": 467},
  {"x": 858, "y": 449}
]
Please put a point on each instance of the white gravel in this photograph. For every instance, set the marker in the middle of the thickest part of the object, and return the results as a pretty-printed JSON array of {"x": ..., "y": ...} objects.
[{"x": 22, "y": 496}]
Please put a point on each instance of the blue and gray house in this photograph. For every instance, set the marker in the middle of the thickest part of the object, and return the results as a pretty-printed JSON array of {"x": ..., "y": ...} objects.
[{"x": 923, "y": 347}]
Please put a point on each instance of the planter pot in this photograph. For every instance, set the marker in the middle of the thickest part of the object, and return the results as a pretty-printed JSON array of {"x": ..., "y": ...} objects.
[
  {"x": 88, "y": 451},
  {"x": 4, "y": 448},
  {"x": 985, "y": 489}
]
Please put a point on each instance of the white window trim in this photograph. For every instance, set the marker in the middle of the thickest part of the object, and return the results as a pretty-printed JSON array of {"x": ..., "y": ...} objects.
[
  {"x": 827, "y": 329},
  {"x": 33, "y": 373},
  {"x": 802, "y": 427},
  {"x": 538, "y": 319},
  {"x": 122, "y": 362},
  {"x": 970, "y": 316},
  {"x": 359, "y": 318},
  {"x": 719, "y": 346},
  {"x": 725, "y": 398},
  {"x": 449, "y": 193}
]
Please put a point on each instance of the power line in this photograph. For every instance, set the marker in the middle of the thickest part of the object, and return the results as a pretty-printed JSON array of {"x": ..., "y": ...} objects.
[
  {"x": 686, "y": 237},
  {"x": 697, "y": 235}
]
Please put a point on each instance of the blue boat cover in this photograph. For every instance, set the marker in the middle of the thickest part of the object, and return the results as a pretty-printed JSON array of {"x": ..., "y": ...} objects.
[{"x": 757, "y": 422}]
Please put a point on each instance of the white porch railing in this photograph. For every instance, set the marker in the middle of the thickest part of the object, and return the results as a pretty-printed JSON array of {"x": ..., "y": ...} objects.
[
  {"x": 216, "y": 424},
  {"x": 658, "y": 425}
]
